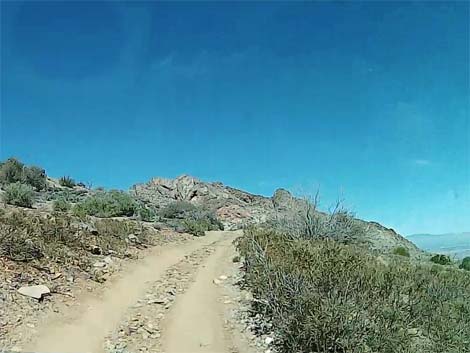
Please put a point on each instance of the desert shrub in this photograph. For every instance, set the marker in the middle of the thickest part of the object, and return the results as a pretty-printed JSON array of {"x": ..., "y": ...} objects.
[
  {"x": 107, "y": 204},
  {"x": 465, "y": 264},
  {"x": 18, "y": 194},
  {"x": 62, "y": 238},
  {"x": 67, "y": 182},
  {"x": 195, "y": 220},
  {"x": 145, "y": 213},
  {"x": 401, "y": 251},
  {"x": 197, "y": 227},
  {"x": 34, "y": 176},
  {"x": 324, "y": 296},
  {"x": 441, "y": 259},
  {"x": 304, "y": 221},
  {"x": 177, "y": 209},
  {"x": 13, "y": 171},
  {"x": 61, "y": 205}
]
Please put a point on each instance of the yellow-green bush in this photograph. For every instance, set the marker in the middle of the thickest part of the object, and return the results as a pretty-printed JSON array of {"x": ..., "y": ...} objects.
[
  {"x": 107, "y": 204},
  {"x": 401, "y": 251},
  {"x": 323, "y": 296},
  {"x": 61, "y": 205},
  {"x": 18, "y": 194}
]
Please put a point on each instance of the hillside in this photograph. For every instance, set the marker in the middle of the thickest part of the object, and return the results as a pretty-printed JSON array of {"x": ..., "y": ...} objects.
[{"x": 238, "y": 208}]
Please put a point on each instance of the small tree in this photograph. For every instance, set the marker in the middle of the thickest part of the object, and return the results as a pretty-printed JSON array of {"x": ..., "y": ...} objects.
[{"x": 18, "y": 194}]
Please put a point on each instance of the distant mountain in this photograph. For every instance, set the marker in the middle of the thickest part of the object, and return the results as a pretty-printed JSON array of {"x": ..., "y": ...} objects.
[{"x": 454, "y": 244}]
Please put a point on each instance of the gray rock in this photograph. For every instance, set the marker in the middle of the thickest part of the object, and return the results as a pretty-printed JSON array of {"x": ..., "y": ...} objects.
[
  {"x": 133, "y": 238},
  {"x": 36, "y": 292}
]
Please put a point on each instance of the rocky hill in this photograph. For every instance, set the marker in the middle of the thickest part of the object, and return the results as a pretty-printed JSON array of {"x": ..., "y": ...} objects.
[{"x": 237, "y": 208}]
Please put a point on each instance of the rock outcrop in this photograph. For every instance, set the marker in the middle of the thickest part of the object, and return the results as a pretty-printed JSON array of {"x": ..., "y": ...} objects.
[{"x": 237, "y": 208}]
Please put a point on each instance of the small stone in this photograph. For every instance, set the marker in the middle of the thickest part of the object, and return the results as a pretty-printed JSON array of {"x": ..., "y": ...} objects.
[
  {"x": 57, "y": 275},
  {"x": 223, "y": 277},
  {"x": 96, "y": 250},
  {"x": 30, "y": 325},
  {"x": 133, "y": 238},
  {"x": 36, "y": 292},
  {"x": 108, "y": 260},
  {"x": 227, "y": 302},
  {"x": 99, "y": 264},
  {"x": 156, "y": 301},
  {"x": 268, "y": 340},
  {"x": 70, "y": 279},
  {"x": 216, "y": 281}
]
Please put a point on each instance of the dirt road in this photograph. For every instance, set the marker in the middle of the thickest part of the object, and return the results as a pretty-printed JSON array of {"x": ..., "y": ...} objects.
[{"x": 194, "y": 320}]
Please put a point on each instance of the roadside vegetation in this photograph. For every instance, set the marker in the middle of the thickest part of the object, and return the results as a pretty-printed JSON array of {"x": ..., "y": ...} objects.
[
  {"x": 323, "y": 293},
  {"x": 113, "y": 203},
  {"x": 192, "y": 219},
  {"x": 62, "y": 238}
]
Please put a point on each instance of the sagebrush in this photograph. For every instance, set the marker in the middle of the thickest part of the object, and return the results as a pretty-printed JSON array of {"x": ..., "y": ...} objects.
[
  {"x": 324, "y": 296},
  {"x": 18, "y": 194},
  {"x": 107, "y": 204},
  {"x": 13, "y": 171}
]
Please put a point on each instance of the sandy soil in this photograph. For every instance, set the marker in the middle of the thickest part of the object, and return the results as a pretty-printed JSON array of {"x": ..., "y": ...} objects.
[{"x": 195, "y": 319}]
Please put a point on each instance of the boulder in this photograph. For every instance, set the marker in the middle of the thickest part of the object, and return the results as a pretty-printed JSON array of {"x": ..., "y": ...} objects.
[{"x": 36, "y": 292}]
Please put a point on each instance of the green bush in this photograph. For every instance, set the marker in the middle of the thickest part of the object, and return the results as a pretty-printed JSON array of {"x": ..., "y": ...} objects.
[
  {"x": 177, "y": 209},
  {"x": 18, "y": 194},
  {"x": 35, "y": 176},
  {"x": 67, "y": 182},
  {"x": 196, "y": 227},
  {"x": 441, "y": 259},
  {"x": 195, "y": 220},
  {"x": 324, "y": 296},
  {"x": 107, "y": 204},
  {"x": 465, "y": 264},
  {"x": 61, "y": 205},
  {"x": 145, "y": 214},
  {"x": 13, "y": 171},
  {"x": 402, "y": 251}
]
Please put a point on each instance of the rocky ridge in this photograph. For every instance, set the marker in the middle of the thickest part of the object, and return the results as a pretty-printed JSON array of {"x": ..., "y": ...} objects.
[{"x": 237, "y": 208}]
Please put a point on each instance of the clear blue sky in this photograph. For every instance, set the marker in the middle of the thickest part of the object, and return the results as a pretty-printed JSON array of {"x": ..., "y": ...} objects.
[{"x": 369, "y": 100}]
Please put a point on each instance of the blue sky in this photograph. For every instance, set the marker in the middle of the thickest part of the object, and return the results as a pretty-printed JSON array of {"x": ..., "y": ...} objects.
[{"x": 368, "y": 100}]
